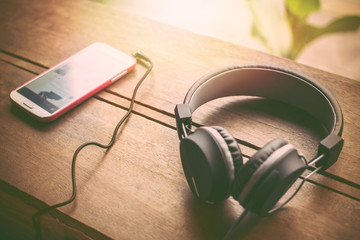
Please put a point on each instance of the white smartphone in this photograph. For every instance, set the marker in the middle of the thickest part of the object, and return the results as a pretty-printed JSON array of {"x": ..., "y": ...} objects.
[{"x": 72, "y": 81}]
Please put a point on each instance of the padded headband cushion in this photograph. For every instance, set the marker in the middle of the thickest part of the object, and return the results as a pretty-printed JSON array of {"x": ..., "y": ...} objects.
[
  {"x": 246, "y": 171},
  {"x": 272, "y": 83}
]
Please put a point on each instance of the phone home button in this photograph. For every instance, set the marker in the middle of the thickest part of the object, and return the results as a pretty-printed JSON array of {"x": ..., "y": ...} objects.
[{"x": 29, "y": 105}]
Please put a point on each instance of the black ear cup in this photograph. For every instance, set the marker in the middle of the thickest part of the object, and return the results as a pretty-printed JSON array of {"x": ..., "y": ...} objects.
[
  {"x": 208, "y": 156},
  {"x": 261, "y": 182},
  {"x": 244, "y": 173}
]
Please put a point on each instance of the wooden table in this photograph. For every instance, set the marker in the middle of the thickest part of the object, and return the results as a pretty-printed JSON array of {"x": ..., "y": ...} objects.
[{"x": 137, "y": 189}]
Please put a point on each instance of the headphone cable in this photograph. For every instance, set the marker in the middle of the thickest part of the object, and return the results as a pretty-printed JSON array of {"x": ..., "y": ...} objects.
[{"x": 36, "y": 216}]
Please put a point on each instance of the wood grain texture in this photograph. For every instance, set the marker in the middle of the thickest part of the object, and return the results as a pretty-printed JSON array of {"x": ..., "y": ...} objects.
[
  {"x": 136, "y": 189},
  {"x": 17, "y": 208},
  {"x": 142, "y": 193},
  {"x": 180, "y": 58}
]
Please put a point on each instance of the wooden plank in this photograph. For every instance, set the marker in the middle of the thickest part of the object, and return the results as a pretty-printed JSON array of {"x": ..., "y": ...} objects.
[
  {"x": 327, "y": 180},
  {"x": 142, "y": 193},
  {"x": 180, "y": 58},
  {"x": 168, "y": 120},
  {"x": 16, "y": 210}
]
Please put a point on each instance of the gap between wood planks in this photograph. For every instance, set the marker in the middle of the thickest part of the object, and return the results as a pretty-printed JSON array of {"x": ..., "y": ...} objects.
[{"x": 17, "y": 208}]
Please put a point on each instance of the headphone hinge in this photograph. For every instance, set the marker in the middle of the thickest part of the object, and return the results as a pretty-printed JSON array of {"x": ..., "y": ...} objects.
[
  {"x": 183, "y": 117},
  {"x": 330, "y": 146}
]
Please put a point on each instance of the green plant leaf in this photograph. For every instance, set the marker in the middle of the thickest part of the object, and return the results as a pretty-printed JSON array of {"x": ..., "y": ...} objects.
[
  {"x": 288, "y": 34},
  {"x": 302, "y": 8},
  {"x": 343, "y": 24},
  {"x": 269, "y": 25}
]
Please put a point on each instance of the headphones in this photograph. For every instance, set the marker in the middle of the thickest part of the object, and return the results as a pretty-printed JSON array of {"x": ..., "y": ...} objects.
[{"x": 211, "y": 158}]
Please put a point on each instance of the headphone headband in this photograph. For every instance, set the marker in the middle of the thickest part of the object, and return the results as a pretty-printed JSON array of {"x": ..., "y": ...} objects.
[{"x": 272, "y": 83}]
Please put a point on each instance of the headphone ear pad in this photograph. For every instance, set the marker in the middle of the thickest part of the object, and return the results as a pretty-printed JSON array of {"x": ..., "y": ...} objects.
[
  {"x": 243, "y": 175},
  {"x": 233, "y": 147},
  {"x": 207, "y": 162},
  {"x": 272, "y": 170}
]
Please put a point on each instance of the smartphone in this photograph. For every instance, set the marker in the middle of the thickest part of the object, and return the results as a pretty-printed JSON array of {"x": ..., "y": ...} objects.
[{"x": 72, "y": 81}]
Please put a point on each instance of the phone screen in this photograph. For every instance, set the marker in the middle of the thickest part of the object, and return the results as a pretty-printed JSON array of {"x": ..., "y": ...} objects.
[{"x": 73, "y": 78}]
